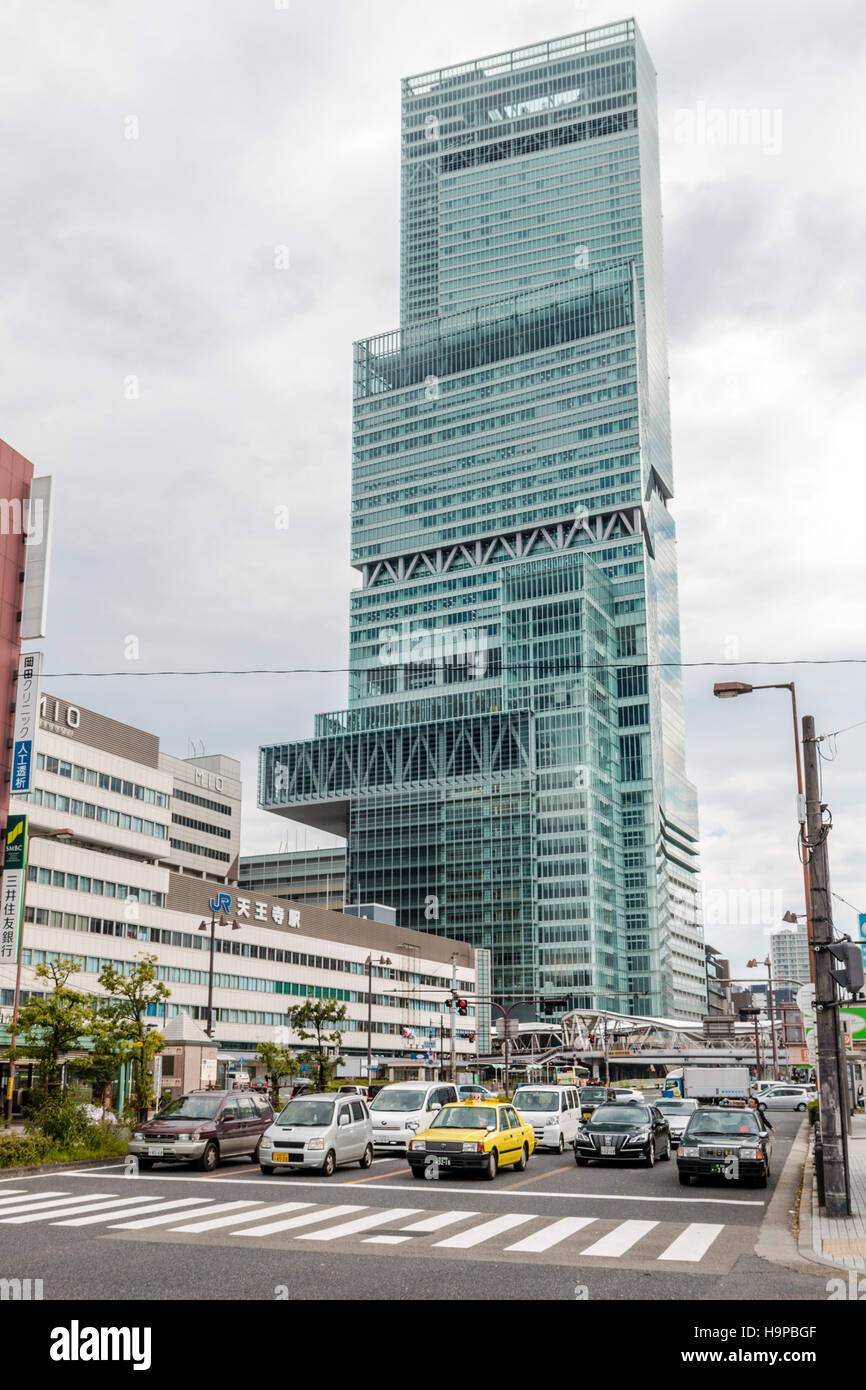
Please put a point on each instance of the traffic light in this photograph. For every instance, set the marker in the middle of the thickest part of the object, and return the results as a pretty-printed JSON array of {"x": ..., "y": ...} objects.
[
  {"x": 849, "y": 975},
  {"x": 462, "y": 1007}
]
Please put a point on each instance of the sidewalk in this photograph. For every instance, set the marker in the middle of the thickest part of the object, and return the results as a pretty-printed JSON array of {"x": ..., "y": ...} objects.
[{"x": 840, "y": 1243}]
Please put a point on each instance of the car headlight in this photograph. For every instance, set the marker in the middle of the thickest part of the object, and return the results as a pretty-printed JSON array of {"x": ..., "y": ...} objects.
[
  {"x": 315, "y": 1143},
  {"x": 553, "y": 1120},
  {"x": 750, "y": 1153},
  {"x": 417, "y": 1145},
  {"x": 413, "y": 1124},
  {"x": 137, "y": 1134},
  {"x": 640, "y": 1137},
  {"x": 689, "y": 1152},
  {"x": 265, "y": 1142},
  {"x": 184, "y": 1138}
]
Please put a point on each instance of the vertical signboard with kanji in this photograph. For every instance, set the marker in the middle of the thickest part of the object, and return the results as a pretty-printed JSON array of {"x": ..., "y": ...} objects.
[
  {"x": 26, "y": 721},
  {"x": 13, "y": 888}
]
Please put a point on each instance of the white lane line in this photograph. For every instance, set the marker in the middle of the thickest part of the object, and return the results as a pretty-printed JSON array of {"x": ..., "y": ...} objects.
[
  {"x": 363, "y": 1223},
  {"x": 617, "y": 1242},
  {"x": 213, "y": 1223},
  {"x": 136, "y": 1209},
  {"x": 551, "y": 1235},
  {"x": 31, "y": 1196},
  {"x": 505, "y": 1191},
  {"x": 51, "y": 1215},
  {"x": 466, "y": 1239},
  {"x": 292, "y": 1221},
  {"x": 693, "y": 1243},
  {"x": 435, "y": 1223}
]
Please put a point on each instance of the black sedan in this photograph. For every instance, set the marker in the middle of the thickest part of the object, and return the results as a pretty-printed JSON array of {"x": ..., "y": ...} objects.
[
  {"x": 732, "y": 1144},
  {"x": 622, "y": 1132}
]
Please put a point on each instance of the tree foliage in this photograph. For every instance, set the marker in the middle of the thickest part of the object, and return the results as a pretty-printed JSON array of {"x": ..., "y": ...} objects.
[{"x": 315, "y": 1020}]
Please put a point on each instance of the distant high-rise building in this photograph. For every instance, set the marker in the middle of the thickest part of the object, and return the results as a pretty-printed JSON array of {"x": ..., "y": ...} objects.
[
  {"x": 789, "y": 955},
  {"x": 511, "y": 766}
]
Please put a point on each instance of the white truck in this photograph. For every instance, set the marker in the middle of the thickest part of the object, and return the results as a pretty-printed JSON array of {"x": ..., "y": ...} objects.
[{"x": 716, "y": 1083}]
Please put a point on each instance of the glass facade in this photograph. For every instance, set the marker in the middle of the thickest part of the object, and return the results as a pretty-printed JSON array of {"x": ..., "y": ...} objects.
[{"x": 510, "y": 770}]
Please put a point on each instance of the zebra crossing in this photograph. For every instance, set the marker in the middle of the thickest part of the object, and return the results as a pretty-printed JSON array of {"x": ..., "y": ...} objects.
[{"x": 358, "y": 1226}]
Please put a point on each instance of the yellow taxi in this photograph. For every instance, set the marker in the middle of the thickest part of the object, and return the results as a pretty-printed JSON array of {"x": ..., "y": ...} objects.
[{"x": 475, "y": 1135}]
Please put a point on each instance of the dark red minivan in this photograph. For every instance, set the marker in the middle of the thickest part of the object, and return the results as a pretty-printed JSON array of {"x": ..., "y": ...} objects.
[{"x": 203, "y": 1128}]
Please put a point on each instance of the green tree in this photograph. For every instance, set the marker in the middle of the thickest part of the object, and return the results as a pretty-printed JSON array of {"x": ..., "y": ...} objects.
[
  {"x": 121, "y": 1023},
  {"x": 315, "y": 1020},
  {"x": 50, "y": 1026},
  {"x": 280, "y": 1061}
]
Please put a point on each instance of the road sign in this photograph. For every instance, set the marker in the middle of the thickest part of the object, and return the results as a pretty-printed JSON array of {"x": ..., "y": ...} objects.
[
  {"x": 861, "y": 917},
  {"x": 13, "y": 888},
  {"x": 26, "y": 718},
  {"x": 805, "y": 1000}
]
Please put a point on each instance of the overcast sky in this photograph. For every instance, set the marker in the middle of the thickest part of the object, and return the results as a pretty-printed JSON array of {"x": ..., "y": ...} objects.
[{"x": 179, "y": 386}]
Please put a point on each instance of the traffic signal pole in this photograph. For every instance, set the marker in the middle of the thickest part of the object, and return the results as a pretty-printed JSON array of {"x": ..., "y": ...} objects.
[{"x": 828, "y": 1049}]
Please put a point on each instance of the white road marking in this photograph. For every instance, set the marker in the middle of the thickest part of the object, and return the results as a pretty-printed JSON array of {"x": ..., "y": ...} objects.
[
  {"x": 30, "y": 1196},
  {"x": 466, "y": 1239},
  {"x": 694, "y": 1242},
  {"x": 213, "y": 1223},
  {"x": 171, "y": 1216},
  {"x": 9, "y": 1191},
  {"x": 362, "y": 1223},
  {"x": 32, "y": 1203},
  {"x": 66, "y": 1210},
  {"x": 292, "y": 1221},
  {"x": 551, "y": 1235},
  {"x": 618, "y": 1241},
  {"x": 135, "y": 1210},
  {"x": 385, "y": 1240},
  {"x": 435, "y": 1223}
]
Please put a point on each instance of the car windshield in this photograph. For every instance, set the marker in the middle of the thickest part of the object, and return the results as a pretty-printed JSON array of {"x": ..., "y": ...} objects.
[
  {"x": 593, "y": 1093},
  {"x": 464, "y": 1117},
  {"x": 307, "y": 1113},
  {"x": 722, "y": 1122},
  {"x": 620, "y": 1116},
  {"x": 536, "y": 1100},
  {"x": 674, "y": 1107},
  {"x": 191, "y": 1108},
  {"x": 399, "y": 1099}
]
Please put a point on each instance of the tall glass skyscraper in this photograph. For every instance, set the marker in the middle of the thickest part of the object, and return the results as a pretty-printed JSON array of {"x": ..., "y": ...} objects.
[{"x": 510, "y": 770}]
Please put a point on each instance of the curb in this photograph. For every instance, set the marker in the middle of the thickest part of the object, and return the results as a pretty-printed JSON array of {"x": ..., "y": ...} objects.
[
  {"x": 16, "y": 1172},
  {"x": 776, "y": 1239}
]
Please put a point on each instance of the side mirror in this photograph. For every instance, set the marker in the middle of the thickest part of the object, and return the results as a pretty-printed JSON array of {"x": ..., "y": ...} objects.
[
  {"x": 434, "y": 1106},
  {"x": 344, "y": 1119}
]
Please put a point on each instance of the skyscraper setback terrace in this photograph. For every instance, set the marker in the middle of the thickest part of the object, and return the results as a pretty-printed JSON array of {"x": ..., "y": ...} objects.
[{"x": 512, "y": 476}]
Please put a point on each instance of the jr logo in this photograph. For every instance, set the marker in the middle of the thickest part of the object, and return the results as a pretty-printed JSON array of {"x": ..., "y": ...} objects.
[{"x": 223, "y": 903}]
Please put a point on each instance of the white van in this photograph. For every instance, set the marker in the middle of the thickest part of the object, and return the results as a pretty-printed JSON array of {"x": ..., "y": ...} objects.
[
  {"x": 401, "y": 1110},
  {"x": 553, "y": 1112}
]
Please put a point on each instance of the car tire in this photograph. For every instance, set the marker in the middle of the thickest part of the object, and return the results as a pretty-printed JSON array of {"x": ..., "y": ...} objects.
[
  {"x": 800, "y": 1107},
  {"x": 491, "y": 1168},
  {"x": 685, "y": 1179},
  {"x": 145, "y": 1164},
  {"x": 329, "y": 1167},
  {"x": 667, "y": 1153},
  {"x": 268, "y": 1169},
  {"x": 560, "y": 1148},
  {"x": 582, "y": 1162},
  {"x": 762, "y": 1180},
  {"x": 256, "y": 1151},
  {"x": 651, "y": 1154},
  {"x": 367, "y": 1160},
  {"x": 523, "y": 1159},
  {"x": 418, "y": 1172},
  {"x": 210, "y": 1158}
]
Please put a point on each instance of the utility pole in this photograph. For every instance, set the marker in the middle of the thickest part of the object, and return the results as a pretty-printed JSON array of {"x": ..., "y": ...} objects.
[
  {"x": 838, "y": 1202},
  {"x": 453, "y": 1035}
]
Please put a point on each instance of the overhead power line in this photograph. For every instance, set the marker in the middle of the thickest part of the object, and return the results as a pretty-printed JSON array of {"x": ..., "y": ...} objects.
[{"x": 554, "y": 668}]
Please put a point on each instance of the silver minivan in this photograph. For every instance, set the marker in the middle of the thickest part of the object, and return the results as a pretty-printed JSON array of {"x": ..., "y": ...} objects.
[{"x": 319, "y": 1131}]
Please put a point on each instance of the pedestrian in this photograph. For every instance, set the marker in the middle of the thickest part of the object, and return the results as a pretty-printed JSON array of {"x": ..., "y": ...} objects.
[{"x": 755, "y": 1104}]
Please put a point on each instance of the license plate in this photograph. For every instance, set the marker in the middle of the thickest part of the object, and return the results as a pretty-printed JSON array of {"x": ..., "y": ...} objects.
[
  {"x": 718, "y": 1168},
  {"x": 155, "y": 1151},
  {"x": 443, "y": 1162},
  {"x": 608, "y": 1149},
  {"x": 281, "y": 1158},
  {"x": 586, "y": 1114}
]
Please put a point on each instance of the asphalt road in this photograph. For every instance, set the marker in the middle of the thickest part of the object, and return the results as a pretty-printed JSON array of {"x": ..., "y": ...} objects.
[{"x": 553, "y": 1232}]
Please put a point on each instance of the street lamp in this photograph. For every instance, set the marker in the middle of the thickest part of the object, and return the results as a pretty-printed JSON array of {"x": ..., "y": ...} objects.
[
  {"x": 32, "y": 835},
  {"x": 751, "y": 965},
  {"x": 212, "y": 925},
  {"x": 726, "y": 690},
  {"x": 383, "y": 960}
]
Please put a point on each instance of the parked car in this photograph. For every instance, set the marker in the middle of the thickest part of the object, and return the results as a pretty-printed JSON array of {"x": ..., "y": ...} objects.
[
  {"x": 622, "y": 1131},
  {"x": 472, "y": 1136},
  {"x": 787, "y": 1097},
  {"x": 301, "y": 1088},
  {"x": 403, "y": 1109},
  {"x": 677, "y": 1113},
  {"x": 552, "y": 1111},
  {"x": 321, "y": 1131},
  {"x": 467, "y": 1092},
  {"x": 714, "y": 1137},
  {"x": 349, "y": 1090},
  {"x": 629, "y": 1093},
  {"x": 203, "y": 1127}
]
